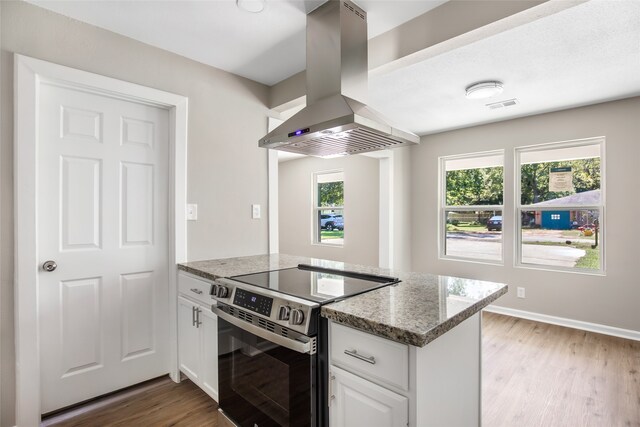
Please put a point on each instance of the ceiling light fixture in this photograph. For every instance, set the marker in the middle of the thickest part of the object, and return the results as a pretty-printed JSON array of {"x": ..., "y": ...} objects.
[
  {"x": 253, "y": 6},
  {"x": 484, "y": 90}
]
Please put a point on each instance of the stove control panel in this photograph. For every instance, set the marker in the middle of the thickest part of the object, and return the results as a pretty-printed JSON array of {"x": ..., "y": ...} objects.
[
  {"x": 285, "y": 310},
  {"x": 253, "y": 302}
]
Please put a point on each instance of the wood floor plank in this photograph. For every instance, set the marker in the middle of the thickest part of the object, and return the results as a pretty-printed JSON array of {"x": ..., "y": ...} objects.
[
  {"x": 162, "y": 403},
  {"x": 536, "y": 374}
]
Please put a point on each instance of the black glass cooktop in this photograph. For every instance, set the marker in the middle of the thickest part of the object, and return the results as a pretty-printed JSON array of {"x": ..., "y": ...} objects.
[{"x": 316, "y": 284}]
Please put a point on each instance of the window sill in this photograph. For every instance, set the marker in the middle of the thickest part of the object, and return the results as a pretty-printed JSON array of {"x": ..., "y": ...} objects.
[
  {"x": 499, "y": 263},
  {"x": 328, "y": 245}
]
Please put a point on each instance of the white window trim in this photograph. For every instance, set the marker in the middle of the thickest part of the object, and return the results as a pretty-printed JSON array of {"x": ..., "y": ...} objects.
[
  {"x": 315, "y": 209},
  {"x": 518, "y": 207},
  {"x": 443, "y": 208}
]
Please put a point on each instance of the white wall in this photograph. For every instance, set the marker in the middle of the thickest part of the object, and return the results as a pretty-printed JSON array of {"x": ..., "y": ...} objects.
[
  {"x": 609, "y": 300},
  {"x": 361, "y": 195},
  {"x": 227, "y": 116}
]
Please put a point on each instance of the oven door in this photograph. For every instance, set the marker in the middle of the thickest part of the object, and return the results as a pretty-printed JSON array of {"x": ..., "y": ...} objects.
[{"x": 263, "y": 383}]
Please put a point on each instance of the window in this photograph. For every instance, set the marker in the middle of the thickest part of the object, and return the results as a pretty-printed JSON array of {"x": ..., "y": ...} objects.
[
  {"x": 561, "y": 205},
  {"x": 328, "y": 210},
  {"x": 471, "y": 206}
]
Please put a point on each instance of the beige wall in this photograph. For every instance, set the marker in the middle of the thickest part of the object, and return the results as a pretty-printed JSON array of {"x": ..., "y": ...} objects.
[
  {"x": 401, "y": 222},
  {"x": 227, "y": 115},
  {"x": 609, "y": 300},
  {"x": 361, "y": 183}
]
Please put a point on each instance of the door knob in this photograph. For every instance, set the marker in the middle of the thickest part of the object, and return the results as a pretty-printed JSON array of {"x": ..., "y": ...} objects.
[{"x": 49, "y": 266}]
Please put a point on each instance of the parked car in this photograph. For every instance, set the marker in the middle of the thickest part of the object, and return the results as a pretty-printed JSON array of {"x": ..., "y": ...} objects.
[
  {"x": 330, "y": 221},
  {"x": 495, "y": 223}
]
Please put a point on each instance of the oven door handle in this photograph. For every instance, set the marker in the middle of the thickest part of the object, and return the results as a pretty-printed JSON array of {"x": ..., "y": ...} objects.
[{"x": 295, "y": 345}]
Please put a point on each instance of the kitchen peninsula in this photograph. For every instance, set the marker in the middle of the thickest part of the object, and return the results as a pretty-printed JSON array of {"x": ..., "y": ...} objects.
[{"x": 402, "y": 354}]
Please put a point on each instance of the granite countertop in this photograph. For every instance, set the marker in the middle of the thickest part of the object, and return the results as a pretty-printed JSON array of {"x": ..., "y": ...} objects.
[{"x": 415, "y": 311}]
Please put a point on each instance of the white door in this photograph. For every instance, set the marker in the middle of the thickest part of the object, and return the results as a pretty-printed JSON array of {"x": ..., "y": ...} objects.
[
  {"x": 359, "y": 402},
  {"x": 102, "y": 217}
]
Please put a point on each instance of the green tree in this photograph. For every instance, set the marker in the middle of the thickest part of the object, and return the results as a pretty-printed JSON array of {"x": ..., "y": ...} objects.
[
  {"x": 482, "y": 186},
  {"x": 331, "y": 193}
]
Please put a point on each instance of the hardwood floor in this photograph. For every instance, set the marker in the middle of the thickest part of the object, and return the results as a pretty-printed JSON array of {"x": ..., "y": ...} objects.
[
  {"x": 157, "y": 403},
  {"x": 534, "y": 374}
]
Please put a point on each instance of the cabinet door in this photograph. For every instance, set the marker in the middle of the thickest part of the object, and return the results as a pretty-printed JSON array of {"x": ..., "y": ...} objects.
[
  {"x": 188, "y": 340},
  {"x": 209, "y": 345},
  {"x": 359, "y": 402}
]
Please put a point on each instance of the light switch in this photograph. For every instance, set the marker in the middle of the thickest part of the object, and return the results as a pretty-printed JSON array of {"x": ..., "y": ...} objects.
[
  {"x": 255, "y": 211},
  {"x": 192, "y": 212}
]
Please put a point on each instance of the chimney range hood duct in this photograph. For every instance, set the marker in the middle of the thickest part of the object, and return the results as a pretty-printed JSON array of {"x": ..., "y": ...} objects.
[{"x": 336, "y": 120}]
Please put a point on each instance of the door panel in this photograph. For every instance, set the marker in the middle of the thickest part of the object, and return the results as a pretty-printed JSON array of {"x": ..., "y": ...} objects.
[
  {"x": 81, "y": 125},
  {"x": 138, "y": 332},
  {"x": 137, "y": 204},
  {"x": 102, "y": 216},
  {"x": 80, "y": 204},
  {"x": 80, "y": 335}
]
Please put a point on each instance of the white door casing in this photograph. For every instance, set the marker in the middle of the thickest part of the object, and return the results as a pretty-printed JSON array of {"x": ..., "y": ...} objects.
[
  {"x": 32, "y": 78},
  {"x": 102, "y": 217}
]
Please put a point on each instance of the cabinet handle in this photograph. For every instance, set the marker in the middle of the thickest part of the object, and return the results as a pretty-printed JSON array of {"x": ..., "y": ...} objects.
[
  {"x": 331, "y": 395},
  {"x": 193, "y": 315},
  {"x": 354, "y": 353},
  {"x": 198, "y": 322},
  {"x": 196, "y": 291}
]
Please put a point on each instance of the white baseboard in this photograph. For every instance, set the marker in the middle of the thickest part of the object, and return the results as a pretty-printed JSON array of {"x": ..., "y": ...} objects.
[{"x": 569, "y": 323}]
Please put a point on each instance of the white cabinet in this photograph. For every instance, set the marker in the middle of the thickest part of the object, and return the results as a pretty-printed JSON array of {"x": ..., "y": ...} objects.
[
  {"x": 370, "y": 356},
  {"x": 358, "y": 402},
  {"x": 209, "y": 353},
  {"x": 188, "y": 339},
  {"x": 197, "y": 335},
  {"x": 364, "y": 369},
  {"x": 379, "y": 382}
]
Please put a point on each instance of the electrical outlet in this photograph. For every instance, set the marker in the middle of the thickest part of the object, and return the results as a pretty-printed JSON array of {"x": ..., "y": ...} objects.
[
  {"x": 192, "y": 212},
  {"x": 255, "y": 211},
  {"x": 520, "y": 292}
]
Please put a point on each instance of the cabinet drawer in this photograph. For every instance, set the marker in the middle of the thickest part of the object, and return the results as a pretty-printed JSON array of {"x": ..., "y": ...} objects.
[
  {"x": 194, "y": 288},
  {"x": 376, "y": 358}
]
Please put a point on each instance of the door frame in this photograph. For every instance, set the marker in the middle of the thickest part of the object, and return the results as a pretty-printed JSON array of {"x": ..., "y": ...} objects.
[{"x": 29, "y": 74}]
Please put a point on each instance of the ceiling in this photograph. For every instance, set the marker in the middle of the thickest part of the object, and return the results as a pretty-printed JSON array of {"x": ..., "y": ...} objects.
[
  {"x": 266, "y": 47},
  {"x": 585, "y": 54}
]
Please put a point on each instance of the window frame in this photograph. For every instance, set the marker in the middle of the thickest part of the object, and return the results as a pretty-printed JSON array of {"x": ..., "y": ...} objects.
[
  {"x": 518, "y": 207},
  {"x": 315, "y": 209},
  {"x": 443, "y": 208}
]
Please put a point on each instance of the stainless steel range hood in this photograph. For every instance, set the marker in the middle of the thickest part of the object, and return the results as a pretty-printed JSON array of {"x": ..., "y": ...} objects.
[{"x": 336, "y": 120}]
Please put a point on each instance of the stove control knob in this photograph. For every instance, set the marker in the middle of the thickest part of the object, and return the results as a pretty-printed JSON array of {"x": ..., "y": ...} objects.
[
  {"x": 297, "y": 317},
  {"x": 214, "y": 290},
  {"x": 223, "y": 291},
  {"x": 283, "y": 312}
]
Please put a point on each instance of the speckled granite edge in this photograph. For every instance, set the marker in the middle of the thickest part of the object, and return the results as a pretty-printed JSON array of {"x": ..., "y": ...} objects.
[
  {"x": 197, "y": 272},
  {"x": 405, "y": 336}
]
